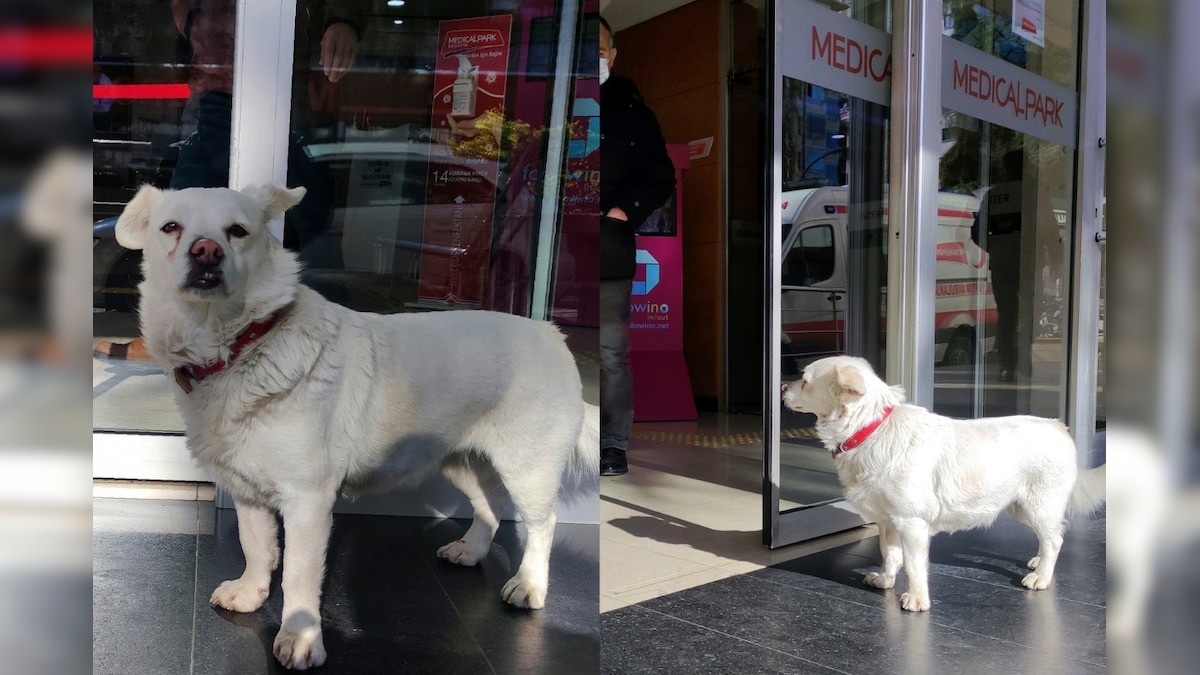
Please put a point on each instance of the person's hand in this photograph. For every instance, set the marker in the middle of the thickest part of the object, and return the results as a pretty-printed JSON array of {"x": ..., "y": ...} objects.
[
  {"x": 467, "y": 127},
  {"x": 616, "y": 213},
  {"x": 339, "y": 46}
]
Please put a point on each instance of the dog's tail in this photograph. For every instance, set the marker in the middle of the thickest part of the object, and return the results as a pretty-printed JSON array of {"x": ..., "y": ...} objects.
[
  {"x": 1088, "y": 494},
  {"x": 585, "y": 464}
]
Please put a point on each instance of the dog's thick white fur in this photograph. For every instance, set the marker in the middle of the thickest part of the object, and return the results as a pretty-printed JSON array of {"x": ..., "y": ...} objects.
[
  {"x": 920, "y": 473},
  {"x": 331, "y": 401}
]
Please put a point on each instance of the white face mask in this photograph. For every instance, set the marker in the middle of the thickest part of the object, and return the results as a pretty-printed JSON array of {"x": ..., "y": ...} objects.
[{"x": 603, "y": 71}]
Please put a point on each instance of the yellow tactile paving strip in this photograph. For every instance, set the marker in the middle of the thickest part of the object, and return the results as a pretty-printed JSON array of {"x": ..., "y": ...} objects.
[{"x": 709, "y": 441}]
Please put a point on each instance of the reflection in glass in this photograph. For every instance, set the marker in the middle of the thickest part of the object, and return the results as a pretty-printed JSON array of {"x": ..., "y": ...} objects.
[
  {"x": 1005, "y": 332},
  {"x": 176, "y": 134},
  {"x": 833, "y": 263},
  {"x": 428, "y": 157},
  {"x": 1041, "y": 37}
]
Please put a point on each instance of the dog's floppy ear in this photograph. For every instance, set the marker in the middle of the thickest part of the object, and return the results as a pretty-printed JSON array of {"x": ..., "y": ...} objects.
[
  {"x": 274, "y": 199},
  {"x": 851, "y": 383},
  {"x": 135, "y": 219}
]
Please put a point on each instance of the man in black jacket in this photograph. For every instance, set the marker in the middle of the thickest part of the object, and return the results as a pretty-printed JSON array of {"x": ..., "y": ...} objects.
[{"x": 636, "y": 177}]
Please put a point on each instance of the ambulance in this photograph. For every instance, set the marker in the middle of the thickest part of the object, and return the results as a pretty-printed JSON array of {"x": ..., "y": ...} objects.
[{"x": 814, "y": 293}]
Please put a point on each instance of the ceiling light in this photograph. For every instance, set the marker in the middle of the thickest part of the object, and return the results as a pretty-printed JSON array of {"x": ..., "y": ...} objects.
[{"x": 395, "y": 3}]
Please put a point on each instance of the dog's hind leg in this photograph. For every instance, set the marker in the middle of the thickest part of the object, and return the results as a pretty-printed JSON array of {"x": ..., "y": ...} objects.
[
  {"x": 1022, "y": 516},
  {"x": 892, "y": 554},
  {"x": 259, "y": 535},
  {"x": 476, "y": 479},
  {"x": 1047, "y": 524}
]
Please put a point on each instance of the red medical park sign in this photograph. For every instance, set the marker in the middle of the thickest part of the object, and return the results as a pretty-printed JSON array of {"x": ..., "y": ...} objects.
[
  {"x": 994, "y": 90},
  {"x": 834, "y": 51}
]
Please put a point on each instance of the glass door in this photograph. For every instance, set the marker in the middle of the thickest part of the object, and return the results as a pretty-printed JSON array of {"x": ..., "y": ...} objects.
[{"x": 826, "y": 250}]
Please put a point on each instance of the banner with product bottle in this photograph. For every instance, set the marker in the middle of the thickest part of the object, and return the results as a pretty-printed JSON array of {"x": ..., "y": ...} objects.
[{"x": 468, "y": 112}]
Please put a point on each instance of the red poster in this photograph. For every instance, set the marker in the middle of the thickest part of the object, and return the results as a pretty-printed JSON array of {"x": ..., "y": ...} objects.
[{"x": 468, "y": 111}]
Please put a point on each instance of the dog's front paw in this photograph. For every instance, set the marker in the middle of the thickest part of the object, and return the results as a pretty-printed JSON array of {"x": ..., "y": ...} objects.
[
  {"x": 460, "y": 553},
  {"x": 300, "y": 651},
  {"x": 1036, "y": 581},
  {"x": 239, "y": 595},
  {"x": 1034, "y": 562},
  {"x": 521, "y": 592},
  {"x": 914, "y": 603},
  {"x": 879, "y": 580}
]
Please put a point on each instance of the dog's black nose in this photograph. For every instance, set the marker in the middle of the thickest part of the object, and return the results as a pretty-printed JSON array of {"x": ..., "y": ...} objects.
[{"x": 207, "y": 252}]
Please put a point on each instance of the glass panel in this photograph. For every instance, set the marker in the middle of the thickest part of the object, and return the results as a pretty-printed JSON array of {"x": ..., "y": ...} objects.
[
  {"x": 166, "y": 124},
  {"x": 423, "y": 153},
  {"x": 423, "y": 162},
  {"x": 1041, "y": 37},
  {"x": 832, "y": 163},
  {"x": 834, "y": 269},
  {"x": 811, "y": 257},
  {"x": 1002, "y": 290}
]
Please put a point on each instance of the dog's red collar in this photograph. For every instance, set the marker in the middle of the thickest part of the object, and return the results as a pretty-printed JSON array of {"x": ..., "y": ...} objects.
[
  {"x": 185, "y": 374},
  {"x": 862, "y": 435}
]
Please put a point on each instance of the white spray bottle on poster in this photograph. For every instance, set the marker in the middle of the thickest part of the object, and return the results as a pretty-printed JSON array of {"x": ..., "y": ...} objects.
[{"x": 466, "y": 86}]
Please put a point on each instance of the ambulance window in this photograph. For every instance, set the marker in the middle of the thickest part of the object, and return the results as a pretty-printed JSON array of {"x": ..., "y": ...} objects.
[{"x": 811, "y": 257}]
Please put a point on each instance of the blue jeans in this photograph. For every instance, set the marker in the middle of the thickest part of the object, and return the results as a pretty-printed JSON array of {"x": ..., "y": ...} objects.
[{"x": 616, "y": 380}]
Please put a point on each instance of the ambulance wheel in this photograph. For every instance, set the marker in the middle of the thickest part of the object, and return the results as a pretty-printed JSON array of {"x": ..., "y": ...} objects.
[{"x": 961, "y": 351}]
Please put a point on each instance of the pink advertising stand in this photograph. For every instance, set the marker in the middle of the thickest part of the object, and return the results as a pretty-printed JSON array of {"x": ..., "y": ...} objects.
[{"x": 661, "y": 388}]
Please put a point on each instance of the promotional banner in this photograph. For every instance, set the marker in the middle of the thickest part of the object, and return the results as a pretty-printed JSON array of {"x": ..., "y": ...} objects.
[
  {"x": 468, "y": 112},
  {"x": 662, "y": 389}
]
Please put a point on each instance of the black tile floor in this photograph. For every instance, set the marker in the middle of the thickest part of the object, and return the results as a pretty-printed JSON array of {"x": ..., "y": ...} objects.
[
  {"x": 389, "y": 605},
  {"x": 814, "y": 614}
]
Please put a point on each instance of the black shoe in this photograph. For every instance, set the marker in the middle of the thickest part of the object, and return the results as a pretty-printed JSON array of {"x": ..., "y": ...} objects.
[{"x": 612, "y": 462}]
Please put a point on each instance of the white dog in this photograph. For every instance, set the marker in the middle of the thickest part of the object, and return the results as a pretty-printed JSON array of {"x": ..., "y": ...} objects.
[
  {"x": 291, "y": 400},
  {"x": 916, "y": 473}
]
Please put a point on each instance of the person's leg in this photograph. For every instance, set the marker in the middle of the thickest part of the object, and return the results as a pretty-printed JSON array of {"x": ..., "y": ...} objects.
[
  {"x": 616, "y": 380},
  {"x": 308, "y": 227},
  {"x": 204, "y": 156}
]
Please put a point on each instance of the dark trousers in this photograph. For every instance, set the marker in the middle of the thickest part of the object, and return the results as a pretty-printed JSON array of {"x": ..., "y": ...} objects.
[{"x": 616, "y": 380}]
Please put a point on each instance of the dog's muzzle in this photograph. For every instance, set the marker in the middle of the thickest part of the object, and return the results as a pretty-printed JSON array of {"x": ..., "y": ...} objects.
[
  {"x": 789, "y": 401},
  {"x": 204, "y": 269}
]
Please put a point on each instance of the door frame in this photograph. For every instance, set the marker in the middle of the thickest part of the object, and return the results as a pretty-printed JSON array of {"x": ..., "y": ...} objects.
[
  {"x": 809, "y": 522},
  {"x": 1084, "y": 320},
  {"x": 915, "y": 134}
]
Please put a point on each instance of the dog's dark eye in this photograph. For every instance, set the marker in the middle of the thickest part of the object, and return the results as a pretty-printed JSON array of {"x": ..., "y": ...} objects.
[
  {"x": 171, "y": 227},
  {"x": 238, "y": 231}
]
